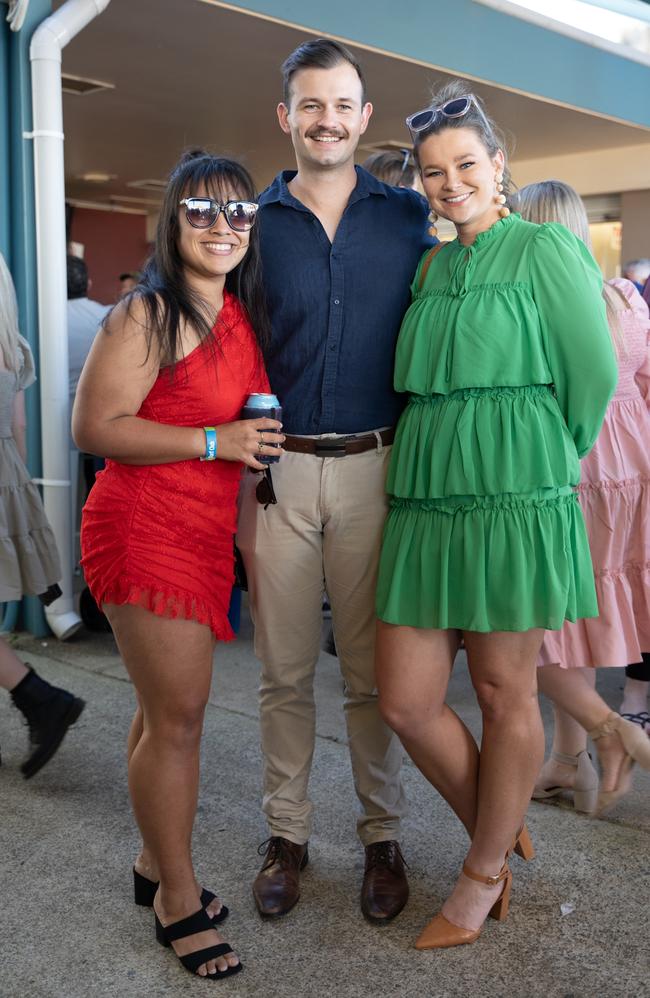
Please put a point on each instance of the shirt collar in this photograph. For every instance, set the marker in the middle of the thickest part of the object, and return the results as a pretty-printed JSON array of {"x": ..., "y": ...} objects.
[
  {"x": 279, "y": 190},
  {"x": 367, "y": 184}
]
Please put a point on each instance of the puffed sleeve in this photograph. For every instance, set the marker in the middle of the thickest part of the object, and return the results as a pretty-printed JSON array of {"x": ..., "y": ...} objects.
[
  {"x": 642, "y": 376},
  {"x": 567, "y": 288},
  {"x": 26, "y": 370},
  {"x": 639, "y": 309}
]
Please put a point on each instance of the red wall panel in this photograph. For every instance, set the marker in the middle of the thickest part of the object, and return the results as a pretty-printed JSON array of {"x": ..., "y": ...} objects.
[{"x": 114, "y": 243}]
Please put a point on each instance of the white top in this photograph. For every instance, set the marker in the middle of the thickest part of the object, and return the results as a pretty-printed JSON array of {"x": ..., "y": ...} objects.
[{"x": 84, "y": 318}]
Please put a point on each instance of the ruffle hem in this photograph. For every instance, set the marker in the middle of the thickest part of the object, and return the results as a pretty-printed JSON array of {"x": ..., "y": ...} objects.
[{"x": 497, "y": 563}]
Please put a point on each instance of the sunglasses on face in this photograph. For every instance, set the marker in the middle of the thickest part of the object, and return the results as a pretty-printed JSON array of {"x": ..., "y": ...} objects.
[
  {"x": 202, "y": 213},
  {"x": 456, "y": 108}
]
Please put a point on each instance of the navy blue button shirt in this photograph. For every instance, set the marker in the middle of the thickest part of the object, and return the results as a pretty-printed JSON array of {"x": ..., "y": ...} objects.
[{"x": 336, "y": 308}]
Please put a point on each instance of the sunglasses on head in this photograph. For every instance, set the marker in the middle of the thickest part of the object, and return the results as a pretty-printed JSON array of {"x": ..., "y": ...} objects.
[
  {"x": 202, "y": 213},
  {"x": 406, "y": 161},
  {"x": 456, "y": 108}
]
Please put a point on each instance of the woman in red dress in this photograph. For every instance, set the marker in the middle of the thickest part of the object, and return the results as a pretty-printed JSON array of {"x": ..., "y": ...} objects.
[{"x": 160, "y": 398}]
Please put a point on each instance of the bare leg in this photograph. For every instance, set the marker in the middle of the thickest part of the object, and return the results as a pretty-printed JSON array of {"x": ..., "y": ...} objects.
[
  {"x": 170, "y": 663},
  {"x": 569, "y": 736},
  {"x": 413, "y": 669},
  {"x": 12, "y": 670},
  {"x": 503, "y": 670},
  {"x": 635, "y": 697},
  {"x": 635, "y": 693},
  {"x": 573, "y": 692},
  {"x": 135, "y": 731},
  {"x": 145, "y": 862}
]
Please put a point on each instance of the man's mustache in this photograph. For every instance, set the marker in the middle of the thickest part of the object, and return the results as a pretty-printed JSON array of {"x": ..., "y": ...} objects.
[{"x": 332, "y": 133}]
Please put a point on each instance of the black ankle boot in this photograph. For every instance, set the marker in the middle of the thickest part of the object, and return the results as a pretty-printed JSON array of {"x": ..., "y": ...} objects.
[{"x": 49, "y": 712}]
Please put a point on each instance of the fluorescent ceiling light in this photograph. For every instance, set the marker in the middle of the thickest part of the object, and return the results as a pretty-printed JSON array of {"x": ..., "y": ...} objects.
[{"x": 96, "y": 177}]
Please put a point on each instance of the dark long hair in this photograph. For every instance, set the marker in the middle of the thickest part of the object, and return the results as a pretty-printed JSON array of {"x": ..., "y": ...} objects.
[{"x": 164, "y": 291}]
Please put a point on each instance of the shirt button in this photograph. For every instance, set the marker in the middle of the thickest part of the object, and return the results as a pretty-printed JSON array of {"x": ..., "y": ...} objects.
[{"x": 336, "y": 301}]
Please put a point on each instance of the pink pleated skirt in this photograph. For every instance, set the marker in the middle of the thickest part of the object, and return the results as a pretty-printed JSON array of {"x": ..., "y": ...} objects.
[{"x": 614, "y": 494}]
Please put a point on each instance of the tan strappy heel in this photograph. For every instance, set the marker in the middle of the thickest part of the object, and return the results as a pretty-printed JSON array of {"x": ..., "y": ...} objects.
[
  {"x": 523, "y": 844},
  {"x": 585, "y": 786},
  {"x": 637, "y": 749},
  {"x": 440, "y": 933}
]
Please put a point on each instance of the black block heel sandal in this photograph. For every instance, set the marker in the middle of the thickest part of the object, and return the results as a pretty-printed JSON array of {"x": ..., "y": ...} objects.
[
  {"x": 198, "y": 922},
  {"x": 144, "y": 891}
]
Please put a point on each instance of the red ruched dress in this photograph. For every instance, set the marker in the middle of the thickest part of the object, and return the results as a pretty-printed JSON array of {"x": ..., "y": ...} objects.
[{"x": 161, "y": 536}]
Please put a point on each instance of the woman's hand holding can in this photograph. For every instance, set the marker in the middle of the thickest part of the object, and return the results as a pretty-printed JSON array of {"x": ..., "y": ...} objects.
[
  {"x": 248, "y": 441},
  {"x": 264, "y": 405}
]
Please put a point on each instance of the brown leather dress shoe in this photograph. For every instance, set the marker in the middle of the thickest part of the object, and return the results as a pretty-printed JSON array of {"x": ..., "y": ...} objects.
[
  {"x": 385, "y": 889},
  {"x": 276, "y": 887}
]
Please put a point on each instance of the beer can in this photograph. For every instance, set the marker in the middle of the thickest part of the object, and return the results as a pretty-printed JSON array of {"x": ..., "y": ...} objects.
[{"x": 257, "y": 406}]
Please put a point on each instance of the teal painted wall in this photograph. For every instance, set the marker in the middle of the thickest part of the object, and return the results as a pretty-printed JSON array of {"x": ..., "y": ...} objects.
[
  {"x": 4, "y": 135},
  {"x": 17, "y": 228},
  {"x": 466, "y": 37},
  {"x": 19, "y": 182}
]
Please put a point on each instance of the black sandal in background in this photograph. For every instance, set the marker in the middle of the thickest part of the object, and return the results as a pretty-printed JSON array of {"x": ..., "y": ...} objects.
[
  {"x": 144, "y": 891},
  {"x": 642, "y": 719},
  {"x": 200, "y": 921}
]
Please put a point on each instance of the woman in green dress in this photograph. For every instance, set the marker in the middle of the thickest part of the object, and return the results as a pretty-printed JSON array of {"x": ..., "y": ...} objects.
[{"x": 507, "y": 358}]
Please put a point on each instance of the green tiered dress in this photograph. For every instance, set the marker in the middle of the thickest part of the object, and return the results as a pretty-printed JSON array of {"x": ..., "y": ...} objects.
[{"x": 508, "y": 361}]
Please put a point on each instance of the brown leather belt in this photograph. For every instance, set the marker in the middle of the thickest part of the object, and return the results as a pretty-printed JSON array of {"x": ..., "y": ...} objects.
[{"x": 338, "y": 446}]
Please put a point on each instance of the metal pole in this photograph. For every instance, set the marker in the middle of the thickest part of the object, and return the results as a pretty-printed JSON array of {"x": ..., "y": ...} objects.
[{"x": 45, "y": 54}]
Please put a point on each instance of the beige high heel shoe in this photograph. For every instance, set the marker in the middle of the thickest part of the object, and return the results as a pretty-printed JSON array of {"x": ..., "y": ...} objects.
[
  {"x": 440, "y": 933},
  {"x": 637, "y": 749},
  {"x": 585, "y": 786}
]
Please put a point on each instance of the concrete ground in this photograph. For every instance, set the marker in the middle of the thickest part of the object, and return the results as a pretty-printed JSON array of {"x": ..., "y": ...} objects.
[{"x": 69, "y": 929}]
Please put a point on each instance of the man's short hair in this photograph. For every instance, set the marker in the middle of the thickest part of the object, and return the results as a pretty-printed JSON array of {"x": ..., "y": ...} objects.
[
  {"x": 318, "y": 53},
  {"x": 392, "y": 166},
  {"x": 77, "y": 277}
]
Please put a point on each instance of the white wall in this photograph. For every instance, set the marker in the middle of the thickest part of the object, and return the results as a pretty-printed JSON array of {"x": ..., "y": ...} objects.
[
  {"x": 635, "y": 216},
  {"x": 601, "y": 171}
]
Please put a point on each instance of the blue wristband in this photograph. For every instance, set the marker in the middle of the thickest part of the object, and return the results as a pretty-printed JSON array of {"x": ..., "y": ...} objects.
[{"x": 210, "y": 444}]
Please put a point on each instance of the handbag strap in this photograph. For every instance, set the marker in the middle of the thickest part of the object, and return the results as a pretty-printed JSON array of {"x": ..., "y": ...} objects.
[{"x": 427, "y": 263}]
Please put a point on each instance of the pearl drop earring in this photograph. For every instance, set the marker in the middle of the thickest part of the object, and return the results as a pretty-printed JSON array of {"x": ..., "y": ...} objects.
[{"x": 500, "y": 199}]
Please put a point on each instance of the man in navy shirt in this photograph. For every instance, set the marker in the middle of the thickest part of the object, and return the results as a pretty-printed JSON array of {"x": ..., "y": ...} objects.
[{"x": 339, "y": 250}]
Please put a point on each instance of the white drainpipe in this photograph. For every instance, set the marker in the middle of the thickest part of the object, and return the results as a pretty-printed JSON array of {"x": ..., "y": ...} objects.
[{"x": 45, "y": 53}]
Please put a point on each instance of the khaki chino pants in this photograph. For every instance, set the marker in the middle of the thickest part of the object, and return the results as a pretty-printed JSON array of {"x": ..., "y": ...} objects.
[{"x": 324, "y": 534}]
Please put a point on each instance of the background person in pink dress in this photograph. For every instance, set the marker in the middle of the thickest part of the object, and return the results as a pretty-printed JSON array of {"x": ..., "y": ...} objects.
[{"x": 614, "y": 494}]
